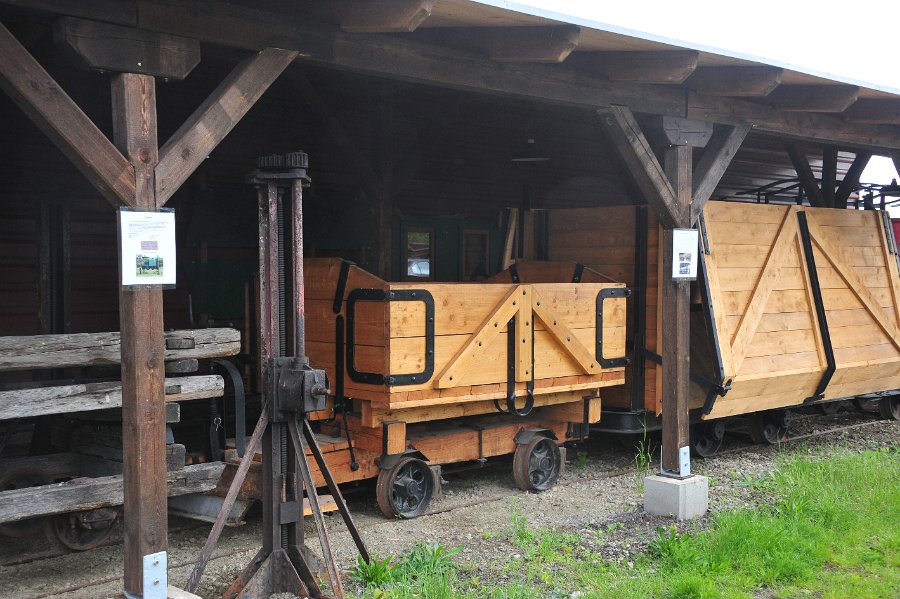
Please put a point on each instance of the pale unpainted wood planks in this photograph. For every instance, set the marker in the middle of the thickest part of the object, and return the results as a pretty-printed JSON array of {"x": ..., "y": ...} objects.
[
  {"x": 89, "y": 349},
  {"x": 24, "y": 403}
]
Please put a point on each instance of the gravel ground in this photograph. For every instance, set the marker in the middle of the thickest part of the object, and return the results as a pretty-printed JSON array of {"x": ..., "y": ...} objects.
[{"x": 475, "y": 512}]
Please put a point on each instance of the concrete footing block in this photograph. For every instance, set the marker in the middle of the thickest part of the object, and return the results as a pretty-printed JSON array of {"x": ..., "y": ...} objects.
[{"x": 684, "y": 498}]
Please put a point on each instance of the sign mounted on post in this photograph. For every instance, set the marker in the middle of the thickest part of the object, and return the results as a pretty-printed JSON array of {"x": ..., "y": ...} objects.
[
  {"x": 685, "y": 246},
  {"x": 147, "y": 247}
]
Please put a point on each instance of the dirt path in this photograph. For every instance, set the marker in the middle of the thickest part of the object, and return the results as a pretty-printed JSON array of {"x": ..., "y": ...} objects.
[{"x": 474, "y": 512}]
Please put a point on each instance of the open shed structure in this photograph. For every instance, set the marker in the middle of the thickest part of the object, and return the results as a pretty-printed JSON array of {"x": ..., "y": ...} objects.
[{"x": 442, "y": 134}]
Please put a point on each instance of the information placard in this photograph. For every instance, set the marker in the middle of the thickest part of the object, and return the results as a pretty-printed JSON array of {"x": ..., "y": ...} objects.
[
  {"x": 147, "y": 245},
  {"x": 685, "y": 245}
]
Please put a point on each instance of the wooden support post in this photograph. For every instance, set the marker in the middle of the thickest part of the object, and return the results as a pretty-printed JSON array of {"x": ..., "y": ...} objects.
[
  {"x": 807, "y": 179},
  {"x": 676, "y": 299},
  {"x": 53, "y": 111},
  {"x": 829, "y": 175},
  {"x": 143, "y": 359},
  {"x": 851, "y": 179}
]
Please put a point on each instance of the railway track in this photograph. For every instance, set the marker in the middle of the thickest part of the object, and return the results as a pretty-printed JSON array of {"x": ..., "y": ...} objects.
[{"x": 185, "y": 528}]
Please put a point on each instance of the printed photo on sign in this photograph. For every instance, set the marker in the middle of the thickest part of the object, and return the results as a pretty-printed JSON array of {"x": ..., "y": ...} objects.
[
  {"x": 685, "y": 243},
  {"x": 148, "y": 247}
]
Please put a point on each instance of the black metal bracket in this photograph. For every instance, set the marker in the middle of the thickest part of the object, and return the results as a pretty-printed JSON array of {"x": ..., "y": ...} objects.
[
  {"x": 701, "y": 223},
  {"x": 240, "y": 404},
  {"x": 525, "y": 435},
  {"x": 713, "y": 389},
  {"x": 386, "y": 462},
  {"x": 341, "y": 286},
  {"x": 820, "y": 310},
  {"x": 511, "y": 375},
  {"x": 615, "y": 292},
  {"x": 579, "y": 271},
  {"x": 400, "y": 295},
  {"x": 514, "y": 273}
]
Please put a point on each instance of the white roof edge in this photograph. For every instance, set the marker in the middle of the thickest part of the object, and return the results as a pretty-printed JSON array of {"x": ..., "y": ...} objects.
[{"x": 600, "y": 26}]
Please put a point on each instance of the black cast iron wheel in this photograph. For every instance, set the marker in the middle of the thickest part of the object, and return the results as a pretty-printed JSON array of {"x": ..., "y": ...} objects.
[
  {"x": 536, "y": 466},
  {"x": 889, "y": 407},
  {"x": 406, "y": 489},
  {"x": 707, "y": 438},
  {"x": 80, "y": 531},
  {"x": 768, "y": 428}
]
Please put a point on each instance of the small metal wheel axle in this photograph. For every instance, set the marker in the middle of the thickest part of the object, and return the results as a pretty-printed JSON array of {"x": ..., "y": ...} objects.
[
  {"x": 889, "y": 407},
  {"x": 768, "y": 428},
  {"x": 536, "y": 465},
  {"x": 80, "y": 531},
  {"x": 405, "y": 490},
  {"x": 707, "y": 437}
]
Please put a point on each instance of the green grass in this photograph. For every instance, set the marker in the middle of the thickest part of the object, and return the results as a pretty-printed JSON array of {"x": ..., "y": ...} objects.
[{"x": 831, "y": 531}]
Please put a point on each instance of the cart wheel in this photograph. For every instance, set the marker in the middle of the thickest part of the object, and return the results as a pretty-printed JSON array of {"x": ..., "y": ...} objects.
[
  {"x": 707, "y": 438},
  {"x": 80, "y": 531},
  {"x": 889, "y": 407},
  {"x": 832, "y": 407},
  {"x": 536, "y": 466},
  {"x": 405, "y": 490},
  {"x": 865, "y": 404},
  {"x": 22, "y": 478},
  {"x": 768, "y": 428}
]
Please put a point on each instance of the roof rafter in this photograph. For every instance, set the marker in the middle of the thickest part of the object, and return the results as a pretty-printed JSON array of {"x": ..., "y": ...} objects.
[
  {"x": 736, "y": 82},
  {"x": 411, "y": 60},
  {"x": 814, "y": 98},
  {"x": 639, "y": 67}
]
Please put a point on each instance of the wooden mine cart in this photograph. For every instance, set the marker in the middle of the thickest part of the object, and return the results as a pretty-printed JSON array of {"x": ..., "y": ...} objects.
[
  {"x": 436, "y": 373},
  {"x": 793, "y": 305}
]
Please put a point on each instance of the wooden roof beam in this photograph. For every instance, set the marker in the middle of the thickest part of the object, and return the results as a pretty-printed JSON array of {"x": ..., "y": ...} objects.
[
  {"x": 876, "y": 111},
  {"x": 216, "y": 117},
  {"x": 638, "y": 67},
  {"x": 540, "y": 44},
  {"x": 398, "y": 57},
  {"x": 56, "y": 114},
  {"x": 361, "y": 166},
  {"x": 736, "y": 82},
  {"x": 807, "y": 179},
  {"x": 814, "y": 98},
  {"x": 719, "y": 153},
  {"x": 625, "y": 134},
  {"x": 365, "y": 16},
  {"x": 127, "y": 50}
]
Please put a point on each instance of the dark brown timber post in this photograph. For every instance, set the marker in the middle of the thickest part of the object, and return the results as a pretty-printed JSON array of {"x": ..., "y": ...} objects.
[
  {"x": 678, "y": 196},
  {"x": 141, "y": 323},
  {"x": 676, "y": 298}
]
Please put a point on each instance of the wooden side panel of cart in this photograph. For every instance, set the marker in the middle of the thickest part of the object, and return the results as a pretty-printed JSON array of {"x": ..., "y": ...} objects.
[
  {"x": 766, "y": 320},
  {"x": 470, "y": 343},
  {"x": 605, "y": 240}
]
